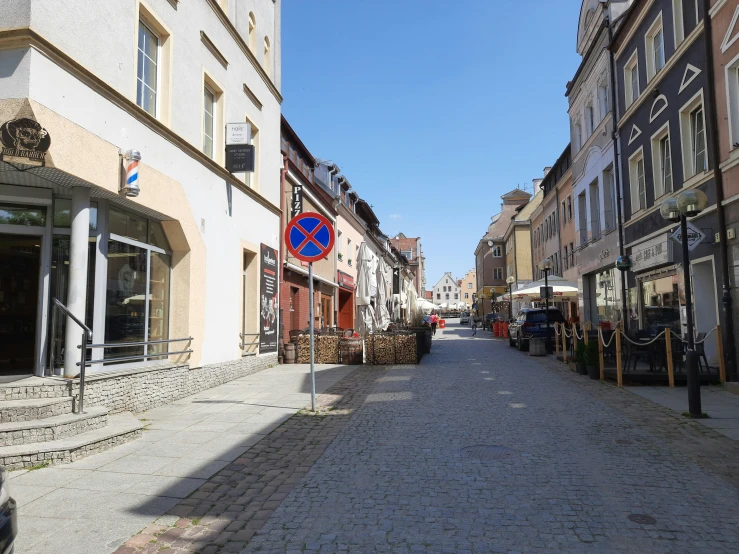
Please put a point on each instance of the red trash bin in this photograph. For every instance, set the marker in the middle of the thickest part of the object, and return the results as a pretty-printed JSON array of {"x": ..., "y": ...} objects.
[{"x": 442, "y": 324}]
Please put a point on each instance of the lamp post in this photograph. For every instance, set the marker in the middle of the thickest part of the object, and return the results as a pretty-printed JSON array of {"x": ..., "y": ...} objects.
[
  {"x": 688, "y": 203},
  {"x": 546, "y": 267},
  {"x": 511, "y": 279}
]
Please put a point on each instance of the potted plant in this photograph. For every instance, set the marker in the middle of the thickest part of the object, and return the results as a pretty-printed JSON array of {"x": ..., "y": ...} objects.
[
  {"x": 341, "y": 256},
  {"x": 580, "y": 359},
  {"x": 592, "y": 360}
]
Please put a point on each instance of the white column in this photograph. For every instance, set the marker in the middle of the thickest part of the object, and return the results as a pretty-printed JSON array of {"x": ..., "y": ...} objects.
[{"x": 77, "y": 291}]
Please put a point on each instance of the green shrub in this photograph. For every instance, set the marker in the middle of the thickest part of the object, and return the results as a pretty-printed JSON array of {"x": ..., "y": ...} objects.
[{"x": 592, "y": 358}]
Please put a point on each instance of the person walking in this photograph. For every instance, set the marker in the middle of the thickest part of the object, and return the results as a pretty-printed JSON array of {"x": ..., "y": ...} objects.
[
  {"x": 434, "y": 322},
  {"x": 474, "y": 327}
]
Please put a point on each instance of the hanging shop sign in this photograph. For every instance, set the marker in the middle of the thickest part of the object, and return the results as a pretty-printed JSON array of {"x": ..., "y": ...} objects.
[
  {"x": 238, "y": 133},
  {"x": 695, "y": 236},
  {"x": 650, "y": 253},
  {"x": 24, "y": 138},
  {"x": 296, "y": 201},
  {"x": 345, "y": 281},
  {"x": 396, "y": 280},
  {"x": 268, "y": 300},
  {"x": 240, "y": 158}
]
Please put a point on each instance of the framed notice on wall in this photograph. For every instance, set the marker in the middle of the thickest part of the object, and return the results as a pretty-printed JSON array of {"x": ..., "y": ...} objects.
[{"x": 268, "y": 300}]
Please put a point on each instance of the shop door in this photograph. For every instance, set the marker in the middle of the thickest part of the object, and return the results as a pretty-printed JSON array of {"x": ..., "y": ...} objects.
[
  {"x": 345, "y": 310},
  {"x": 20, "y": 261},
  {"x": 325, "y": 311}
]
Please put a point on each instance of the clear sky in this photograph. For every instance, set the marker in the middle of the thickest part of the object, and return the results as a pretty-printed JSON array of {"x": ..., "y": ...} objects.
[{"x": 431, "y": 109}]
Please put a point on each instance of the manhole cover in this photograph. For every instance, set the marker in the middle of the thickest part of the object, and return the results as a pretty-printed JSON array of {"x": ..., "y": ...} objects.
[
  {"x": 487, "y": 452},
  {"x": 642, "y": 519},
  {"x": 623, "y": 441}
]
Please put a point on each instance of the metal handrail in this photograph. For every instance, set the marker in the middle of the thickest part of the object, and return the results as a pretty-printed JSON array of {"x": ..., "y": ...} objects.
[
  {"x": 142, "y": 343},
  {"x": 138, "y": 357},
  {"x": 86, "y": 336},
  {"x": 254, "y": 340}
]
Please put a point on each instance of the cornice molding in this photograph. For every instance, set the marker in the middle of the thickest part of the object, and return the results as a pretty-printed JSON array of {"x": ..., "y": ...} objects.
[{"x": 28, "y": 38}]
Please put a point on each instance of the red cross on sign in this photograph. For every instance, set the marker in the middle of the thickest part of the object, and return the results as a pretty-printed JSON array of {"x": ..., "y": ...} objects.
[{"x": 309, "y": 237}]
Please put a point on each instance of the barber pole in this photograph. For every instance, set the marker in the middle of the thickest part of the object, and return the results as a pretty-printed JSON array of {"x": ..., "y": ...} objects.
[{"x": 130, "y": 185}]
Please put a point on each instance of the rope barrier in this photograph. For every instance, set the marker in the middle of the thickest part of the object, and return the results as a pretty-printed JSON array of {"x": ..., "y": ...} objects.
[
  {"x": 568, "y": 335},
  {"x": 555, "y": 330},
  {"x": 578, "y": 335},
  {"x": 644, "y": 343},
  {"x": 704, "y": 338},
  {"x": 602, "y": 340}
]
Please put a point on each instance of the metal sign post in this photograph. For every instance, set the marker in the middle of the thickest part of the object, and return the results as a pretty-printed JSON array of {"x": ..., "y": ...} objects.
[
  {"x": 310, "y": 237},
  {"x": 312, "y": 319}
]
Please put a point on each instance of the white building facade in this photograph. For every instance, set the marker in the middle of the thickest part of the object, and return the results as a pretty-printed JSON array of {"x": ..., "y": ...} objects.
[
  {"x": 447, "y": 292},
  {"x": 186, "y": 258}
]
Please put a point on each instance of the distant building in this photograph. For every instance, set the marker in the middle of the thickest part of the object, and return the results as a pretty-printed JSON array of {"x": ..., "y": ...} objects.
[
  {"x": 410, "y": 248},
  {"x": 446, "y": 291},
  {"x": 468, "y": 287}
]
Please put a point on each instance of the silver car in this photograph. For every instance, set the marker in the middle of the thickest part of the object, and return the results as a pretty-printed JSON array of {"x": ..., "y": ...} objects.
[{"x": 464, "y": 319}]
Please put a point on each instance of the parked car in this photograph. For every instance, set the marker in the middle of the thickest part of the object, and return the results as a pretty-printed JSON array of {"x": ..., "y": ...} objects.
[
  {"x": 530, "y": 323},
  {"x": 8, "y": 516},
  {"x": 489, "y": 320},
  {"x": 464, "y": 319}
]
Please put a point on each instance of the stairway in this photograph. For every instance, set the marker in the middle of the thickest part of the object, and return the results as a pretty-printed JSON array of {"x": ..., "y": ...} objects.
[{"x": 39, "y": 430}]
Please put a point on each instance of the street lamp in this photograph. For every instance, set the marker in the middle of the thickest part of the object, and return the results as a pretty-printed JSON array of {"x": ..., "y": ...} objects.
[
  {"x": 688, "y": 203},
  {"x": 546, "y": 267},
  {"x": 511, "y": 279}
]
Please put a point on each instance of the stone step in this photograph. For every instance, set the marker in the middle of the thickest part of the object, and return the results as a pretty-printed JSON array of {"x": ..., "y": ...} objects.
[
  {"x": 34, "y": 408},
  {"x": 52, "y": 428},
  {"x": 121, "y": 428}
]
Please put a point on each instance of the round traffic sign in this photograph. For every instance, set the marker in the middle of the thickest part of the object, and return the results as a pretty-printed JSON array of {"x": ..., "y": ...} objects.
[{"x": 309, "y": 237}]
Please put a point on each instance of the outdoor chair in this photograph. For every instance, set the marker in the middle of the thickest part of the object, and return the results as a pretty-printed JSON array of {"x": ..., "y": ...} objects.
[
  {"x": 700, "y": 349},
  {"x": 637, "y": 352}
]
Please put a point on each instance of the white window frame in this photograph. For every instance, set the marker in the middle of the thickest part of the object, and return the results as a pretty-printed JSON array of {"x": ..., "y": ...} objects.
[
  {"x": 604, "y": 102},
  {"x": 213, "y": 115},
  {"x": 656, "y": 28},
  {"x": 686, "y": 136},
  {"x": 630, "y": 68},
  {"x": 497, "y": 251},
  {"x": 634, "y": 185},
  {"x": 498, "y": 273},
  {"x": 732, "y": 100},
  {"x": 658, "y": 172},
  {"x": 589, "y": 119},
  {"x": 678, "y": 26},
  {"x": 157, "y": 91}
]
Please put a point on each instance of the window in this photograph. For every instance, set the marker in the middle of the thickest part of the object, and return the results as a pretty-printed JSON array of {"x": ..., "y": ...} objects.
[
  {"x": 498, "y": 273},
  {"x": 677, "y": 20},
  {"x": 637, "y": 182},
  {"x": 569, "y": 208},
  {"x": 209, "y": 108},
  {"x": 565, "y": 260},
  {"x": 609, "y": 200},
  {"x": 698, "y": 140},
  {"x": 408, "y": 254},
  {"x": 469, "y": 285},
  {"x": 594, "y": 210},
  {"x": 589, "y": 119},
  {"x": 438, "y": 296},
  {"x": 693, "y": 137},
  {"x": 662, "y": 161},
  {"x": 497, "y": 251},
  {"x": 252, "y": 32},
  {"x": 340, "y": 244},
  {"x": 603, "y": 98},
  {"x": 577, "y": 137},
  {"x": 582, "y": 214},
  {"x": 447, "y": 296},
  {"x": 631, "y": 79},
  {"x": 456, "y": 296},
  {"x": 654, "y": 41},
  {"x": 572, "y": 254},
  {"x": 267, "y": 61},
  {"x": 147, "y": 70},
  {"x": 732, "y": 100},
  {"x": 21, "y": 214}
]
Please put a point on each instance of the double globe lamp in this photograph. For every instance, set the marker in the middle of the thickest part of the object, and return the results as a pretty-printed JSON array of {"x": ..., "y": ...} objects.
[{"x": 688, "y": 203}]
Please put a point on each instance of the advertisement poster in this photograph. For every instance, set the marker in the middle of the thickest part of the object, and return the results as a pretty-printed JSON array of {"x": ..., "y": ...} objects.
[{"x": 268, "y": 301}]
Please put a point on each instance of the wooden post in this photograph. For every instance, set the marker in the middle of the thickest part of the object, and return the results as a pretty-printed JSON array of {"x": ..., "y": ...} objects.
[
  {"x": 619, "y": 367},
  {"x": 556, "y": 340},
  {"x": 585, "y": 329},
  {"x": 574, "y": 336},
  {"x": 600, "y": 353},
  {"x": 721, "y": 361},
  {"x": 670, "y": 364}
]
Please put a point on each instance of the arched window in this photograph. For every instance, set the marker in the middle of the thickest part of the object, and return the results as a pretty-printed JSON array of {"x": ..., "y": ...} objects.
[
  {"x": 252, "y": 32},
  {"x": 267, "y": 57}
]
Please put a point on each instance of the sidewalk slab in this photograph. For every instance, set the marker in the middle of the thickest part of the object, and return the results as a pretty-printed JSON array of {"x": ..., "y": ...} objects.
[
  {"x": 721, "y": 405},
  {"x": 104, "y": 499}
]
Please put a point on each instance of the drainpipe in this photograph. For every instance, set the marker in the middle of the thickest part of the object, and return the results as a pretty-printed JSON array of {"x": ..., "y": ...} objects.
[
  {"x": 283, "y": 249},
  {"x": 559, "y": 231},
  {"x": 719, "y": 180},
  {"x": 617, "y": 176}
]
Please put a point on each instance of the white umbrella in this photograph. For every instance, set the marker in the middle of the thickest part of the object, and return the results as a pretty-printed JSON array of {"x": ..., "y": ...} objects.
[
  {"x": 382, "y": 316},
  {"x": 533, "y": 294},
  {"x": 364, "y": 293}
]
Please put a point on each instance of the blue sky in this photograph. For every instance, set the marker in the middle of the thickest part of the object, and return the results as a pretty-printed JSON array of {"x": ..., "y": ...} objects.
[{"x": 431, "y": 109}]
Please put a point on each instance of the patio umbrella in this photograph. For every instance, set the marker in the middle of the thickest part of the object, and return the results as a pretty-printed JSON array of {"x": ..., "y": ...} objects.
[
  {"x": 364, "y": 295},
  {"x": 382, "y": 316},
  {"x": 533, "y": 293}
]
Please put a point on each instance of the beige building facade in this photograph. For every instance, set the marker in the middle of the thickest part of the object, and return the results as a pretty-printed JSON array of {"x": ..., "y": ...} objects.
[
  {"x": 467, "y": 288},
  {"x": 118, "y": 199}
]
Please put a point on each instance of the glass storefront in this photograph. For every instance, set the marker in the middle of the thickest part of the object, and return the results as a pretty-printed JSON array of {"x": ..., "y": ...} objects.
[
  {"x": 608, "y": 297},
  {"x": 660, "y": 303}
]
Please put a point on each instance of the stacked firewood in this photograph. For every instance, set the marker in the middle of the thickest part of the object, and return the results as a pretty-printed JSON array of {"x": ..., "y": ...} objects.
[
  {"x": 394, "y": 348},
  {"x": 326, "y": 349},
  {"x": 405, "y": 349}
]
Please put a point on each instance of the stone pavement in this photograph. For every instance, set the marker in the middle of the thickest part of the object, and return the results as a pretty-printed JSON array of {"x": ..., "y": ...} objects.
[
  {"x": 482, "y": 448},
  {"x": 95, "y": 504},
  {"x": 721, "y": 406}
]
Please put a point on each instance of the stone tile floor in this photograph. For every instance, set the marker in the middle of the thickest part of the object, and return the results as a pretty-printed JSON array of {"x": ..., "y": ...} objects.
[{"x": 97, "y": 503}]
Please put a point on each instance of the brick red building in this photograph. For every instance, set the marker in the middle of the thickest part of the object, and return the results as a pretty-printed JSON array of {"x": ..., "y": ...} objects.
[
  {"x": 410, "y": 248},
  {"x": 298, "y": 173}
]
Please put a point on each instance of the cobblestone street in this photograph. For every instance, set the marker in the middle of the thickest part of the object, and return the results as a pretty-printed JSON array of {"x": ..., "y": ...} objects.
[{"x": 575, "y": 466}]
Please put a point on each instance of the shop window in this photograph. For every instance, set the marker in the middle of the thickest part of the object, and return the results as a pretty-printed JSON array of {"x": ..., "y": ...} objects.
[
  {"x": 17, "y": 214},
  {"x": 63, "y": 214},
  {"x": 128, "y": 225}
]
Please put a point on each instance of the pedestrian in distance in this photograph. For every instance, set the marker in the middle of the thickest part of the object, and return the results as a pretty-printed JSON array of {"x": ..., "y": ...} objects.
[
  {"x": 434, "y": 322},
  {"x": 474, "y": 327}
]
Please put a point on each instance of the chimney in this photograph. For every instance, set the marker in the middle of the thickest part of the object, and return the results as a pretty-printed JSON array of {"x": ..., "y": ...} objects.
[
  {"x": 537, "y": 184},
  {"x": 547, "y": 169}
]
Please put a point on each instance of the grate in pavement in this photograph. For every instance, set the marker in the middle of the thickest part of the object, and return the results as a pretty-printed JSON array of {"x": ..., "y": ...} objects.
[
  {"x": 642, "y": 519},
  {"x": 487, "y": 452}
]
